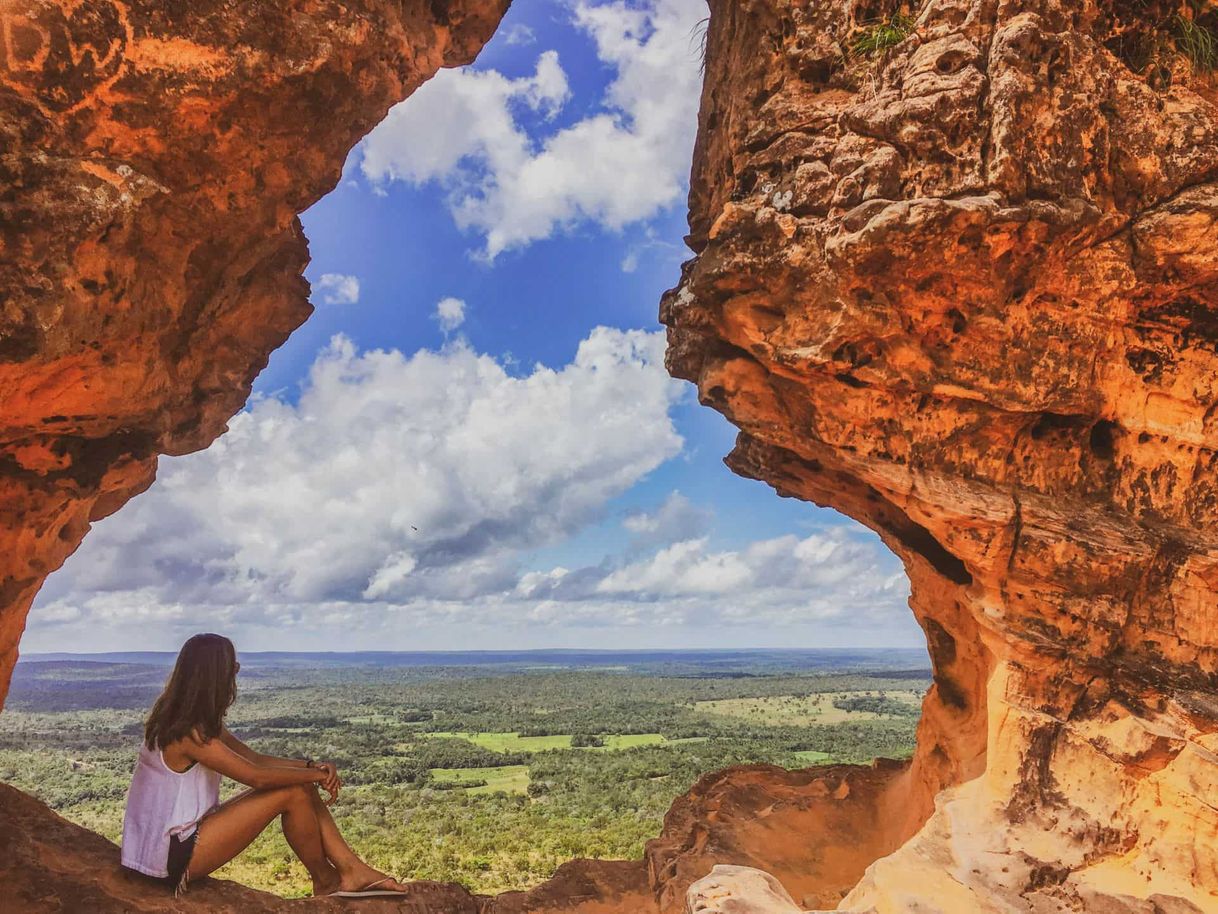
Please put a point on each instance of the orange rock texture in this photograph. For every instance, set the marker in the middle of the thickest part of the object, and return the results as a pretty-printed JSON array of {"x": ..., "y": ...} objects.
[
  {"x": 965, "y": 291},
  {"x": 153, "y": 157}
]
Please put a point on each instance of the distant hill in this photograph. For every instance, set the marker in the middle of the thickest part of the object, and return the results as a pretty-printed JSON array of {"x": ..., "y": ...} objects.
[{"x": 706, "y": 661}]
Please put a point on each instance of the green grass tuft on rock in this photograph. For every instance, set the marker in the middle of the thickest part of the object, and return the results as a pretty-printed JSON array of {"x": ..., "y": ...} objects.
[
  {"x": 879, "y": 36},
  {"x": 1197, "y": 42}
]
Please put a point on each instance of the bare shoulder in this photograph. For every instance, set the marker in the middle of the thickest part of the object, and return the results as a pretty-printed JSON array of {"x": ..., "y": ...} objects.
[{"x": 180, "y": 754}]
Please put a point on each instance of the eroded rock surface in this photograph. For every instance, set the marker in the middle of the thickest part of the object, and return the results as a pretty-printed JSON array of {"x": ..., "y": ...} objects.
[
  {"x": 816, "y": 830},
  {"x": 966, "y": 293},
  {"x": 739, "y": 890},
  {"x": 153, "y": 157}
]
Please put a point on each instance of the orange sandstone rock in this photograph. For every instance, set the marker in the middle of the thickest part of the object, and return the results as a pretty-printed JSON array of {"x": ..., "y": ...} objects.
[{"x": 965, "y": 293}]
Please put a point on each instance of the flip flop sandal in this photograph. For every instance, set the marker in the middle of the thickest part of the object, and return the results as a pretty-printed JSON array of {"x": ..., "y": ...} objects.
[{"x": 371, "y": 890}]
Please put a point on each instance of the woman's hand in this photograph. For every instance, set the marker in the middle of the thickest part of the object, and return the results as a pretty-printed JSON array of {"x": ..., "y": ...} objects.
[{"x": 331, "y": 784}]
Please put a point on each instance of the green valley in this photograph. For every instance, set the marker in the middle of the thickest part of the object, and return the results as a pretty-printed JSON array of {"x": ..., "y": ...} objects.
[{"x": 487, "y": 773}]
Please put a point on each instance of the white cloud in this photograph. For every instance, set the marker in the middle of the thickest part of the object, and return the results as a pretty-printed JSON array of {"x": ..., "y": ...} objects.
[
  {"x": 617, "y": 166},
  {"x": 458, "y": 118},
  {"x": 400, "y": 479},
  {"x": 651, "y": 245},
  {"x": 400, "y": 498},
  {"x": 450, "y": 313},
  {"x": 682, "y": 568},
  {"x": 675, "y": 520},
  {"x": 519, "y": 35},
  {"x": 337, "y": 289},
  {"x": 833, "y": 576},
  {"x": 391, "y": 576}
]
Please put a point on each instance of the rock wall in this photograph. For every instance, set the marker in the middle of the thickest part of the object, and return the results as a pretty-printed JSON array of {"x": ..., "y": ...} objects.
[
  {"x": 153, "y": 157},
  {"x": 965, "y": 290}
]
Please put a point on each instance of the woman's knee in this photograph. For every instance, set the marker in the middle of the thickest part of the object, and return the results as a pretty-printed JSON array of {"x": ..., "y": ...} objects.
[
  {"x": 304, "y": 793},
  {"x": 294, "y": 795}
]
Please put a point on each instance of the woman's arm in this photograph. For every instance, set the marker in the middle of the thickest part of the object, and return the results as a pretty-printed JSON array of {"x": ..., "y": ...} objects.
[
  {"x": 256, "y": 757},
  {"x": 216, "y": 755},
  {"x": 331, "y": 782}
]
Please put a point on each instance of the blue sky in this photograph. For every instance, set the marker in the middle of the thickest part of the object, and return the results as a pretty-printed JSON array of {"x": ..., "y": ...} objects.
[{"x": 472, "y": 443}]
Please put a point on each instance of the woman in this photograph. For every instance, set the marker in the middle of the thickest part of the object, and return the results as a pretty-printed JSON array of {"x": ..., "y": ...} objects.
[{"x": 176, "y": 828}]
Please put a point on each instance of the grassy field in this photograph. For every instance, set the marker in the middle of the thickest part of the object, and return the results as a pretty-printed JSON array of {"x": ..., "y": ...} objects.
[
  {"x": 508, "y": 778},
  {"x": 506, "y": 742},
  {"x": 800, "y": 710},
  {"x": 514, "y": 742},
  {"x": 811, "y": 757}
]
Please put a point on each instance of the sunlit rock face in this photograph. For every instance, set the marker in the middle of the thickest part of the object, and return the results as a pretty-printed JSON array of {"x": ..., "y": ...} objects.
[
  {"x": 153, "y": 157},
  {"x": 739, "y": 890},
  {"x": 967, "y": 293}
]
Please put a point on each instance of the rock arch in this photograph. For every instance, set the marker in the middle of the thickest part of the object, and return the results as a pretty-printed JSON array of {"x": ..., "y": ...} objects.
[{"x": 962, "y": 292}]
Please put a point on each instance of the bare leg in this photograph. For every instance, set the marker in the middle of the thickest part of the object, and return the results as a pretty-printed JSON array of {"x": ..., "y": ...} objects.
[
  {"x": 353, "y": 872},
  {"x": 230, "y": 829}
]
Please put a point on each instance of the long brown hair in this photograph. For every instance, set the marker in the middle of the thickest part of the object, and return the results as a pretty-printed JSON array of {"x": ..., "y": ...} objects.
[{"x": 200, "y": 690}]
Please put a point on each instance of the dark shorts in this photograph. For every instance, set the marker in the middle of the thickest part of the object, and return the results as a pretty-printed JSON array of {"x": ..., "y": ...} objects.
[{"x": 179, "y": 859}]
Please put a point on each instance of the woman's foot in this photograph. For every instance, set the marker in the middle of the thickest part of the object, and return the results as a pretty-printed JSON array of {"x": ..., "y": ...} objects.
[
  {"x": 327, "y": 883},
  {"x": 362, "y": 875}
]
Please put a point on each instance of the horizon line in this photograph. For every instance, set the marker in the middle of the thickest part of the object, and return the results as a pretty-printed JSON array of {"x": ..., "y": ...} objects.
[{"x": 29, "y": 655}]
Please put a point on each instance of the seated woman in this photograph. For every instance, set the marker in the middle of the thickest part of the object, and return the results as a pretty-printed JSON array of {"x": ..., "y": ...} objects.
[{"x": 175, "y": 826}]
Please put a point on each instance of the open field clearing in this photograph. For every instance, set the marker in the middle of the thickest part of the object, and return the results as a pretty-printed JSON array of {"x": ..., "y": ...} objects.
[
  {"x": 508, "y": 778},
  {"x": 514, "y": 742},
  {"x": 797, "y": 710}
]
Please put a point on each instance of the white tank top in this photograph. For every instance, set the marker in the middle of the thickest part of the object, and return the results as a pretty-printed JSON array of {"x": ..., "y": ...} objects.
[{"x": 163, "y": 802}]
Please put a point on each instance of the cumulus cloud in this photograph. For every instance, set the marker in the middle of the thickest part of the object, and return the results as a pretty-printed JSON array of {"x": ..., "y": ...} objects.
[
  {"x": 450, "y": 313},
  {"x": 461, "y": 119},
  {"x": 337, "y": 289},
  {"x": 394, "y": 478},
  {"x": 831, "y": 576},
  {"x": 403, "y": 495},
  {"x": 406, "y": 496},
  {"x": 620, "y": 164}
]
